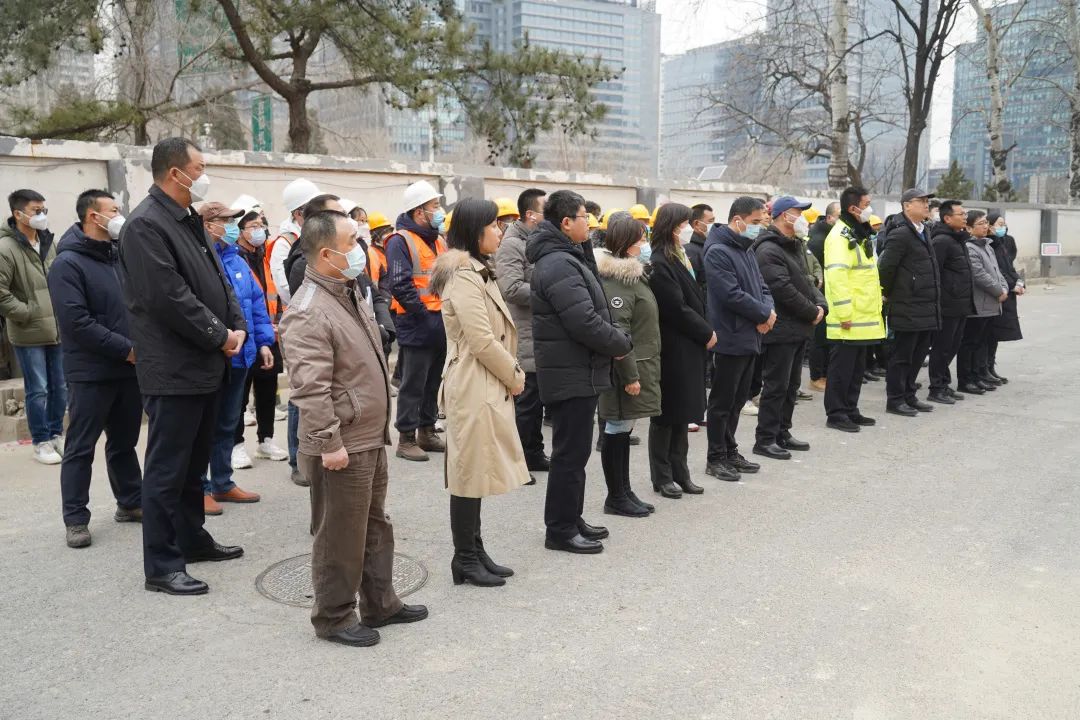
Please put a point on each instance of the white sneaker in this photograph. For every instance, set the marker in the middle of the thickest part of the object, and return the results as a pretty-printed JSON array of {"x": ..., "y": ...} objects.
[
  {"x": 249, "y": 418},
  {"x": 280, "y": 414},
  {"x": 693, "y": 427},
  {"x": 749, "y": 409},
  {"x": 267, "y": 450},
  {"x": 46, "y": 454},
  {"x": 58, "y": 444},
  {"x": 240, "y": 459}
]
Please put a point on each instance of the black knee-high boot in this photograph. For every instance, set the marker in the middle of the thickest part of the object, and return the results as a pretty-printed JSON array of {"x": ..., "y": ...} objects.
[
  {"x": 466, "y": 564},
  {"x": 490, "y": 565},
  {"x": 615, "y": 457}
]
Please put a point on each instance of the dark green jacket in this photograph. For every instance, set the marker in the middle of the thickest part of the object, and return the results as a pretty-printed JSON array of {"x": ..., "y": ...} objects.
[
  {"x": 633, "y": 309},
  {"x": 24, "y": 293}
]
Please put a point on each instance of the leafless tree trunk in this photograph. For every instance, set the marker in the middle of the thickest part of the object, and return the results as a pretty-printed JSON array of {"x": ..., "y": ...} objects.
[
  {"x": 1072, "y": 28},
  {"x": 999, "y": 154},
  {"x": 838, "y": 91}
]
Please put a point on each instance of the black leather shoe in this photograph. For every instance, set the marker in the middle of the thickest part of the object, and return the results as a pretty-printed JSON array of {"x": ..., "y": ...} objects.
[
  {"x": 356, "y": 636},
  {"x": 722, "y": 471},
  {"x": 577, "y": 544},
  {"x": 407, "y": 614},
  {"x": 1001, "y": 379},
  {"x": 843, "y": 425},
  {"x": 871, "y": 376},
  {"x": 920, "y": 406},
  {"x": 902, "y": 409},
  {"x": 790, "y": 443},
  {"x": 539, "y": 464},
  {"x": 989, "y": 387},
  {"x": 972, "y": 389},
  {"x": 986, "y": 377},
  {"x": 803, "y": 395},
  {"x": 177, "y": 583},
  {"x": 941, "y": 397},
  {"x": 669, "y": 490},
  {"x": 532, "y": 480},
  {"x": 741, "y": 464},
  {"x": 863, "y": 421},
  {"x": 215, "y": 553},
  {"x": 624, "y": 506},
  {"x": 772, "y": 450},
  {"x": 879, "y": 371},
  {"x": 592, "y": 532},
  {"x": 689, "y": 487},
  {"x": 954, "y": 395},
  {"x": 635, "y": 440},
  {"x": 642, "y": 503}
]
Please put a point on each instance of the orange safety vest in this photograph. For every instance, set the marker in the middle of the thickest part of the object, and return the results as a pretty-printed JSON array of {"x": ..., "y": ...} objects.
[
  {"x": 376, "y": 262},
  {"x": 423, "y": 262},
  {"x": 273, "y": 302}
]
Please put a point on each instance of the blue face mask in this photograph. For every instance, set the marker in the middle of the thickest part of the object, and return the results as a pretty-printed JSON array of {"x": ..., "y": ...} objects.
[
  {"x": 438, "y": 218},
  {"x": 357, "y": 262},
  {"x": 1000, "y": 231},
  {"x": 646, "y": 253},
  {"x": 232, "y": 234},
  {"x": 258, "y": 237},
  {"x": 751, "y": 232}
]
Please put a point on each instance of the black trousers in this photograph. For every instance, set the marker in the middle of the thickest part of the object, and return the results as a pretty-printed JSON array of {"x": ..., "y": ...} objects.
[
  {"x": 668, "y": 448},
  {"x": 732, "y": 375},
  {"x": 265, "y": 384},
  {"x": 908, "y": 352},
  {"x": 819, "y": 353},
  {"x": 971, "y": 359},
  {"x": 847, "y": 363},
  {"x": 991, "y": 352},
  {"x": 114, "y": 407},
  {"x": 781, "y": 374},
  {"x": 418, "y": 395},
  {"x": 571, "y": 446},
  {"x": 943, "y": 349},
  {"x": 529, "y": 414},
  {"x": 755, "y": 378},
  {"x": 178, "y": 442}
]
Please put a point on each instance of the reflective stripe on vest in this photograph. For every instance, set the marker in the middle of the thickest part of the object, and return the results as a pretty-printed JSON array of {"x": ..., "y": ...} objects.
[
  {"x": 376, "y": 263},
  {"x": 423, "y": 262}
]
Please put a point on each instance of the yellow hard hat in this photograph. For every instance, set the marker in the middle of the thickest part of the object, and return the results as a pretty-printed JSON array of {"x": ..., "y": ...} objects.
[
  {"x": 875, "y": 220},
  {"x": 811, "y": 214},
  {"x": 377, "y": 220},
  {"x": 607, "y": 216},
  {"x": 449, "y": 219},
  {"x": 639, "y": 212},
  {"x": 507, "y": 207},
  {"x": 652, "y": 218},
  {"x": 593, "y": 222}
]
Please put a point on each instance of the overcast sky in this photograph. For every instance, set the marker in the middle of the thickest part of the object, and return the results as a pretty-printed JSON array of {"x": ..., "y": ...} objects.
[{"x": 688, "y": 24}]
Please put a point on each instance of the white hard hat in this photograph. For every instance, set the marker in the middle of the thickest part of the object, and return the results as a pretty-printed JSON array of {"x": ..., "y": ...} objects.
[
  {"x": 419, "y": 193},
  {"x": 245, "y": 203},
  {"x": 347, "y": 205},
  {"x": 299, "y": 193}
]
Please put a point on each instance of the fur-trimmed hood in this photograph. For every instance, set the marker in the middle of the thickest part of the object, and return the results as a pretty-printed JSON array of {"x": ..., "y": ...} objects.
[
  {"x": 450, "y": 262},
  {"x": 627, "y": 270}
]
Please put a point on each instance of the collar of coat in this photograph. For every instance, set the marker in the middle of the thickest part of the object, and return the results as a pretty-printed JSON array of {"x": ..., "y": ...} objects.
[
  {"x": 941, "y": 228},
  {"x": 450, "y": 262},
  {"x": 334, "y": 286},
  {"x": 174, "y": 208},
  {"x": 627, "y": 270},
  {"x": 860, "y": 230}
]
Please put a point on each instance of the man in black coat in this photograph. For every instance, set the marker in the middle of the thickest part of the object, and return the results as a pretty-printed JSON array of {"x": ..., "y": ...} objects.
[
  {"x": 702, "y": 218},
  {"x": 574, "y": 342},
  {"x": 910, "y": 280},
  {"x": 99, "y": 365},
  {"x": 819, "y": 351},
  {"x": 186, "y": 325},
  {"x": 949, "y": 240},
  {"x": 799, "y": 306}
]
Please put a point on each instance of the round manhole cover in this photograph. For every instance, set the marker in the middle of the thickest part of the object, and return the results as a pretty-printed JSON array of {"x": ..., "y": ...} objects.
[{"x": 289, "y": 581}]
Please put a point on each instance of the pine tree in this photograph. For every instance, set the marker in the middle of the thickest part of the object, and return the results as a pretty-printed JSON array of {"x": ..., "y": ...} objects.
[{"x": 954, "y": 185}]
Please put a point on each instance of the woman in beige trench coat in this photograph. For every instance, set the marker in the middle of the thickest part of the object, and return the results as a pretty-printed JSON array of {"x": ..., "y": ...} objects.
[{"x": 480, "y": 379}]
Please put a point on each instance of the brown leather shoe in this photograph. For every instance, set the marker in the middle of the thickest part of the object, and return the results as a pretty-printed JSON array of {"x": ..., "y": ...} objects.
[
  {"x": 211, "y": 506},
  {"x": 428, "y": 440},
  {"x": 408, "y": 449},
  {"x": 236, "y": 495},
  {"x": 818, "y": 384}
]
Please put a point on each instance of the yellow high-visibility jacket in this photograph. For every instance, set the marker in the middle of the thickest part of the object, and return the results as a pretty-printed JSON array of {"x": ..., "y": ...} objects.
[{"x": 852, "y": 288}]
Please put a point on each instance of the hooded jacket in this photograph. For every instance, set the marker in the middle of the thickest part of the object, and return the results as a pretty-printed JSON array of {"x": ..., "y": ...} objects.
[
  {"x": 739, "y": 300},
  {"x": 513, "y": 273},
  {"x": 574, "y": 339},
  {"x": 88, "y": 299},
  {"x": 910, "y": 279},
  {"x": 989, "y": 282},
  {"x": 782, "y": 261},
  {"x": 417, "y": 326},
  {"x": 954, "y": 269},
  {"x": 24, "y": 290}
]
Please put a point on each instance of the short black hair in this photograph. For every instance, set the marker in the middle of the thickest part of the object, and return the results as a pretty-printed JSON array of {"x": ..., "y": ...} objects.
[
  {"x": 669, "y": 217},
  {"x": 249, "y": 217},
  {"x": 355, "y": 210},
  {"x": 19, "y": 199},
  {"x": 317, "y": 204},
  {"x": 562, "y": 204},
  {"x": 935, "y": 203},
  {"x": 88, "y": 199},
  {"x": 623, "y": 231},
  {"x": 471, "y": 216},
  {"x": 527, "y": 200},
  {"x": 743, "y": 206},
  {"x": 852, "y": 196},
  {"x": 170, "y": 153},
  {"x": 697, "y": 212},
  {"x": 319, "y": 231},
  {"x": 948, "y": 207},
  {"x": 593, "y": 209},
  {"x": 973, "y": 217}
]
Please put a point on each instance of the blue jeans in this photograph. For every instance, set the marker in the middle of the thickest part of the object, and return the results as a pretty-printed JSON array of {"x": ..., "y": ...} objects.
[
  {"x": 46, "y": 392},
  {"x": 614, "y": 427},
  {"x": 294, "y": 434},
  {"x": 230, "y": 406}
]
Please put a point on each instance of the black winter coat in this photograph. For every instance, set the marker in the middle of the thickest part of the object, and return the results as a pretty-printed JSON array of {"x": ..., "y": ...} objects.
[
  {"x": 574, "y": 339},
  {"x": 684, "y": 333},
  {"x": 795, "y": 295},
  {"x": 910, "y": 279},
  {"x": 180, "y": 304},
  {"x": 695, "y": 253},
  {"x": 88, "y": 302},
  {"x": 954, "y": 269},
  {"x": 818, "y": 232},
  {"x": 738, "y": 298},
  {"x": 1006, "y": 326}
]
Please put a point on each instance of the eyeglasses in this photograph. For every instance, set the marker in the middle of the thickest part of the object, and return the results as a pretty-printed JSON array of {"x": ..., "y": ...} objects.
[{"x": 582, "y": 217}]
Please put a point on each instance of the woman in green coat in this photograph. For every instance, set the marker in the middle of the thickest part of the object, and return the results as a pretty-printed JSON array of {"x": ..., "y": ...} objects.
[{"x": 636, "y": 394}]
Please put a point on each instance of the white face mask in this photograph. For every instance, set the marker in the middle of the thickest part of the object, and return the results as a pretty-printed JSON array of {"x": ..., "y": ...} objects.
[
  {"x": 365, "y": 231},
  {"x": 38, "y": 222},
  {"x": 114, "y": 225},
  {"x": 802, "y": 226},
  {"x": 200, "y": 186},
  {"x": 865, "y": 213},
  {"x": 685, "y": 234}
]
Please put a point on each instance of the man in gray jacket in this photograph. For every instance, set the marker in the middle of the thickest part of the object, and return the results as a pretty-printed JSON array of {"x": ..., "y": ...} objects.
[{"x": 513, "y": 273}]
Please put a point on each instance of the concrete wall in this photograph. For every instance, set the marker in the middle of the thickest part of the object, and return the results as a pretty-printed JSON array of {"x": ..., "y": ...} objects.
[{"x": 61, "y": 169}]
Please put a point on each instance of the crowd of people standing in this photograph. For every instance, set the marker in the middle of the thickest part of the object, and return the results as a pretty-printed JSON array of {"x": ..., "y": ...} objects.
[{"x": 506, "y": 315}]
